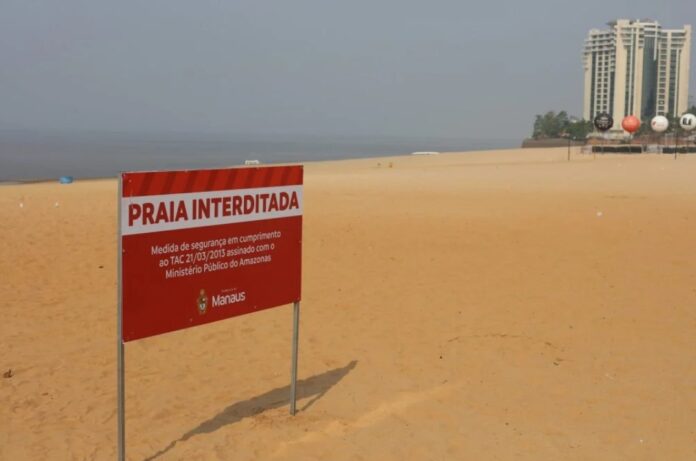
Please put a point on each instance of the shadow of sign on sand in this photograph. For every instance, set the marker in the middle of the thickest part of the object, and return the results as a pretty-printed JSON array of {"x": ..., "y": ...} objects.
[{"x": 314, "y": 387}]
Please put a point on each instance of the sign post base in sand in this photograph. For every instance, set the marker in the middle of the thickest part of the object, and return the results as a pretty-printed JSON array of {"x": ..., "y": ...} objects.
[
  {"x": 569, "y": 140},
  {"x": 121, "y": 385},
  {"x": 293, "y": 367},
  {"x": 196, "y": 247},
  {"x": 121, "y": 405}
]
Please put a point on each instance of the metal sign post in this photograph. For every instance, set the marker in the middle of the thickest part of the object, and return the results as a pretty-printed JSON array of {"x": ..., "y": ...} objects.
[
  {"x": 293, "y": 369},
  {"x": 121, "y": 405},
  {"x": 120, "y": 356}
]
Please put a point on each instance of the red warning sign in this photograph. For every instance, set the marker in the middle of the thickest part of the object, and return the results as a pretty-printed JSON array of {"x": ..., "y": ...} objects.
[{"x": 205, "y": 245}]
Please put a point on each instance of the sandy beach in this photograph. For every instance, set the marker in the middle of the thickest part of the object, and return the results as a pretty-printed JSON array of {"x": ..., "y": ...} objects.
[{"x": 503, "y": 305}]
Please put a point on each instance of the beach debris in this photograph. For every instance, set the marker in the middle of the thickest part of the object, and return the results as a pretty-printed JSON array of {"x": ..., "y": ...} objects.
[
  {"x": 56, "y": 205},
  {"x": 21, "y": 204},
  {"x": 391, "y": 164},
  {"x": 8, "y": 374},
  {"x": 65, "y": 179},
  {"x": 599, "y": 214},
  {"x": 251, "y": 162},
  {"x": 101, "y": 267}
]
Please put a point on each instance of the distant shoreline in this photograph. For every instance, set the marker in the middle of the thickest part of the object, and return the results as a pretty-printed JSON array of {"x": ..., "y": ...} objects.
[{"x": 42, "y": 163}]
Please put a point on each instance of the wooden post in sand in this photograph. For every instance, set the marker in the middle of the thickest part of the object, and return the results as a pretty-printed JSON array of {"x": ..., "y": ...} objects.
[
  {"x": 660, "y": 143},
  {"x": 569, "y": 148}
]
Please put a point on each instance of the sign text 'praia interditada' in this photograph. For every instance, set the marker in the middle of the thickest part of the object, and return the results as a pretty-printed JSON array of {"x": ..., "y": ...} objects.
[{"x": 155, "y": 212}]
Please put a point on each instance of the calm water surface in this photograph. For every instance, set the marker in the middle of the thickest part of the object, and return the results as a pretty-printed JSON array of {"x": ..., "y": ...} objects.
[{"x": 32, "y": 156}]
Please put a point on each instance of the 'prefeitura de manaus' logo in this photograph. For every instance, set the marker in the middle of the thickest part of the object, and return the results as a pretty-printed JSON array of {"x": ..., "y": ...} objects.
[
  {"x": 202, "y": 302},
  {"x": 218, "y": 300}
]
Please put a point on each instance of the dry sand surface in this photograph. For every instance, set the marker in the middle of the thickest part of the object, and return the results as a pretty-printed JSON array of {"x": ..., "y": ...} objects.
[{"x": 480, "y": 306}]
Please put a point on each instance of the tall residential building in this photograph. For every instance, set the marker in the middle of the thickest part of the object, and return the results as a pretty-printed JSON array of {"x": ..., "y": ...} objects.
[{"x": 636, "y": 68}]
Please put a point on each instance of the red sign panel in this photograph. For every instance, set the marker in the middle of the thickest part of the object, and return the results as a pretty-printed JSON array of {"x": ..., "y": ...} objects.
[{"x": 205, "y": 245}]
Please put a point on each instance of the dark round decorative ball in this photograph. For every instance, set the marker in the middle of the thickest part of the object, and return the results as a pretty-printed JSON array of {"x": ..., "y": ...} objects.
[{"x": 603, "y": 121}]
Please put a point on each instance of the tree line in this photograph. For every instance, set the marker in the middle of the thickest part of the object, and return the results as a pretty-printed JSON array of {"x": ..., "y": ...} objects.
[{"x": 560, "y": 125}]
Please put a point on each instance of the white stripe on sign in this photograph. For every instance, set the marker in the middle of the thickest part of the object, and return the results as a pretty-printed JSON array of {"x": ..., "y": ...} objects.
[{"x": 158, "y": 213}]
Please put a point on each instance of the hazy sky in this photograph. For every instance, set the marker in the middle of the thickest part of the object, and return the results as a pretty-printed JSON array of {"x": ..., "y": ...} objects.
[{"x": 379, "y": 67}]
